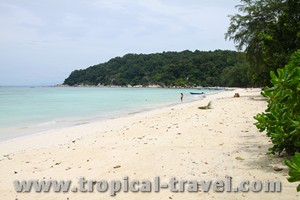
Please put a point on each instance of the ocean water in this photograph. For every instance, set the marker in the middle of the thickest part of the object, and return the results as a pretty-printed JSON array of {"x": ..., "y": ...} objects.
[{"x": 26, "y": 110}]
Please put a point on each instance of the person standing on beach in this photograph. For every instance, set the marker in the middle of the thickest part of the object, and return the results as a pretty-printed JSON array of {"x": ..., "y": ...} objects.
[{"x": 181, "y": 98}]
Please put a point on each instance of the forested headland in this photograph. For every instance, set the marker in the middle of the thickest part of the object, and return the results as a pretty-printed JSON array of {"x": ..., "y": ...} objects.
[{"x": 169, "y": 69}]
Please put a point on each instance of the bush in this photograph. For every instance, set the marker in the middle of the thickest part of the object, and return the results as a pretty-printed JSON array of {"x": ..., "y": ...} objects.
[{"x": 281, "y": 119}]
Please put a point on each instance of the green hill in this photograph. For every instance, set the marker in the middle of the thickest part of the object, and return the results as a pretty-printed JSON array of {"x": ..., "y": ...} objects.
[{"x": 167, "y": 69}]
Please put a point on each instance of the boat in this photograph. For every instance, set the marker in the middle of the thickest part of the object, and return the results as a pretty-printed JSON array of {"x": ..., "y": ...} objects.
[{"x": 196, "y": 93}]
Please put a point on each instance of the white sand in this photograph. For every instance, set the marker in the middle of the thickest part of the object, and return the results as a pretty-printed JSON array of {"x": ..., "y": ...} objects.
[{"x": 180, "y": 141}]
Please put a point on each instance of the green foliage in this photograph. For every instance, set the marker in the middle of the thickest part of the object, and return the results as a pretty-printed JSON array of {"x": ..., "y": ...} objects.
[
  {"x": 168, "y": 69},
  {"x": 281, "y": 119},
  {"x": 294, "y": 169},
  {"x": 269, "y": 30},
  {"x": 236, "y": 76}
]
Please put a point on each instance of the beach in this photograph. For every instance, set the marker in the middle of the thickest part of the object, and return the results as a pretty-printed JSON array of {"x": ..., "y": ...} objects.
[{"x": 179, "y": 141}]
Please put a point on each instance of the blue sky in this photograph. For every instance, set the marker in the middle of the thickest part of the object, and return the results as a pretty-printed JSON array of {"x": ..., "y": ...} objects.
[{"x": 42, "y": 41}]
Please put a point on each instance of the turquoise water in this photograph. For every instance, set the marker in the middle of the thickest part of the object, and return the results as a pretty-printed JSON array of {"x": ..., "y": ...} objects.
[{"x": 25, "y": 110}]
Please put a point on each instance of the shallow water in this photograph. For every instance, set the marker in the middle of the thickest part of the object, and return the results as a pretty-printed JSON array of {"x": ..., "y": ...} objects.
[{"x": 24, "y": 110}]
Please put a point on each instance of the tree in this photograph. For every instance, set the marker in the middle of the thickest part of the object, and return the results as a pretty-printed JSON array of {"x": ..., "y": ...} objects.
[
  {"x": 236, "y": 76},
  {"x": 269, "y": 32}
]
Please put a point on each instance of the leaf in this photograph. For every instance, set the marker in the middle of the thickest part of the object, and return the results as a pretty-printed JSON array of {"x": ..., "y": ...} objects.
[
  {"x": 273, "y": 76},
  {"x": 294, "y": 168}
]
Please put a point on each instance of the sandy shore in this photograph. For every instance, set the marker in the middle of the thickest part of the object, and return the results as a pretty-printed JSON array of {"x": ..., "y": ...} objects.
[{"x": 180, "y": 141}]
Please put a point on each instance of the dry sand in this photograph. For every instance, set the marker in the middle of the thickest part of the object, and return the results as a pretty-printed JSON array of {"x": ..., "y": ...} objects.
[{"x": 181, "y": 141}]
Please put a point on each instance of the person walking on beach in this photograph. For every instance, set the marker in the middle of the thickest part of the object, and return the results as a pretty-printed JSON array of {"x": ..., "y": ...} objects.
[{"x": 181, "y": 98}]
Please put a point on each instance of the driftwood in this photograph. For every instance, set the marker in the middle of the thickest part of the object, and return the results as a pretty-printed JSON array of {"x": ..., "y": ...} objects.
[{"x": 208, "y": 106}]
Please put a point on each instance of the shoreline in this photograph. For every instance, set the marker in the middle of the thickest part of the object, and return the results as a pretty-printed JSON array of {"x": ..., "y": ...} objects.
[
  {"x": 213, "y": 88},
  {"x": 65, "y": 122},
  {"x": 180, "y": 141},
  {"x": 94, "y": 121}
]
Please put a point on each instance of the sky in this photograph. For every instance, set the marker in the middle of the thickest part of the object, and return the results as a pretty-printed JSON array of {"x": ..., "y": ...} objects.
[{"x": 43, "y": 41}]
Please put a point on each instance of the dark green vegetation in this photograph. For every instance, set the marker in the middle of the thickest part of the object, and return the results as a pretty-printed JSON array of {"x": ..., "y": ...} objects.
[
  {"x": 281, "y": 119},
  {"x": 167, "y": 69},
  {"x": 269, "y": 30}
]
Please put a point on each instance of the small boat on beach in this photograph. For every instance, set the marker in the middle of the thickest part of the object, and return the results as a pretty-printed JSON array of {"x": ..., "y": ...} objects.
[{"x": 196, "y": 93}]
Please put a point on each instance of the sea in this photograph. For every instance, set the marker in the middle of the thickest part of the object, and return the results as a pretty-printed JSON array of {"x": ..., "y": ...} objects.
[{"x": 28, "y": 110}]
